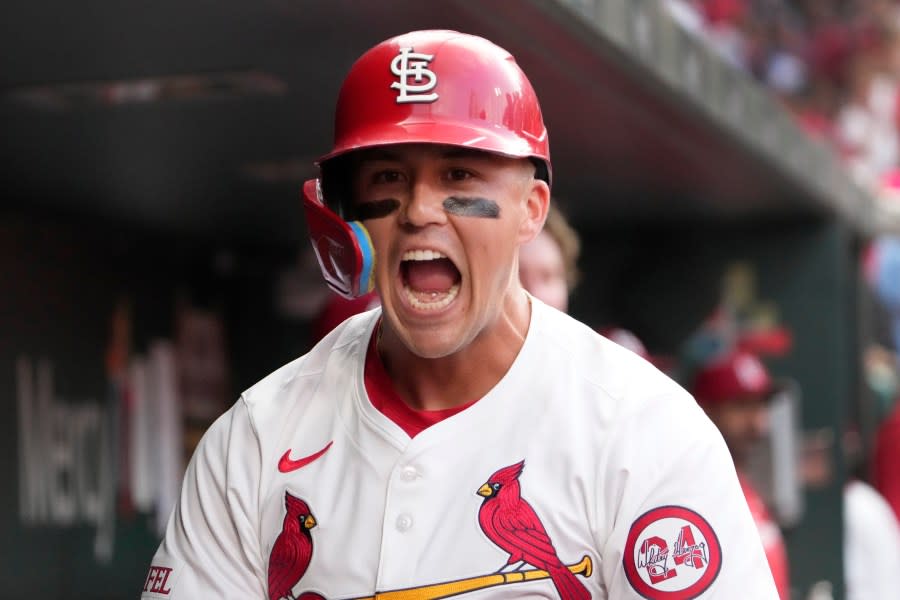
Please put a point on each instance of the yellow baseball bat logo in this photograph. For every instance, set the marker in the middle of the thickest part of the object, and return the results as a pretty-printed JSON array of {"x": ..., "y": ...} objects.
[{"x": 452, "y": 588}]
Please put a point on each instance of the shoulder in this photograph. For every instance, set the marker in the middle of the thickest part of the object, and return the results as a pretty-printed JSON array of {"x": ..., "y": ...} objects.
[
  {"x": 630, "y": 385},
  {"x": 340, "y": 350},
  {"x": 866, "y": 509}
]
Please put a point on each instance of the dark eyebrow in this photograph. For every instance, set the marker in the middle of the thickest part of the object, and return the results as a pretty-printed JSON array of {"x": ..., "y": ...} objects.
[
  {"x": 375, "y": 209},
  {"x": 472, "y": 207}
]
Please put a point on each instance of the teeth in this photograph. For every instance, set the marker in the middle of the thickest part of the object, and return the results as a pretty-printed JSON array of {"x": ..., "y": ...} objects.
[
  {"x": 433, "y": 303},
  {"x": 422, "y": 255},
  {"x": 428, "y": 300}
]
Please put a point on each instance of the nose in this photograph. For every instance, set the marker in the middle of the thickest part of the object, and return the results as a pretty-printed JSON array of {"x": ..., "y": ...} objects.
[{"x": 425, "y": 205}]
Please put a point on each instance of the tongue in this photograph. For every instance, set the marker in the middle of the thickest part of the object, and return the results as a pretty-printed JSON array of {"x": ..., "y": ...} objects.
[{"x": 431, "y": 275}]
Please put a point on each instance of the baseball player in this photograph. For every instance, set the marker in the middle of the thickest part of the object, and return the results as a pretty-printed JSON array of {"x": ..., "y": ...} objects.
[
  {"x": 734, "y": 390},
  {"x": 464, "y": 439}
]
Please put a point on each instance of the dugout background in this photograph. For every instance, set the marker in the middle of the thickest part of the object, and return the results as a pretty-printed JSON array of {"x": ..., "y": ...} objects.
[{"x": 152, "y": 156}]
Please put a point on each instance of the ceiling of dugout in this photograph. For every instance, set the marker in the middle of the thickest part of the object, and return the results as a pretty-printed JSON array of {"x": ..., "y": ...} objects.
[{"x": 203, "y": 117}]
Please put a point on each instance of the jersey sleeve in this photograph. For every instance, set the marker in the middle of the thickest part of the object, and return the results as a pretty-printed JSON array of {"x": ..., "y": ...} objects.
[
  {"x": 211, "y": 546},
  {"x": 871, "y": 544},
  {"x": 681, "y": 527}
]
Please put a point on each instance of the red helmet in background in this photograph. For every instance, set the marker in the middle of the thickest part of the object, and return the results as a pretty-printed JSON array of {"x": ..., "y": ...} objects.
[
  {"x": 423, "y": 87},
  {"x": 735, "y": 375}
]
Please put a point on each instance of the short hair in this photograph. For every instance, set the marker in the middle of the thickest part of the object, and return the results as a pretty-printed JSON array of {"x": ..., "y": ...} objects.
[{"x": 568, "y": 241}]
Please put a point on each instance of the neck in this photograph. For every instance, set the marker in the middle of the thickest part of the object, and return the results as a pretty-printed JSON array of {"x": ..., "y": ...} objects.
[{"x": 465, "y": 375}]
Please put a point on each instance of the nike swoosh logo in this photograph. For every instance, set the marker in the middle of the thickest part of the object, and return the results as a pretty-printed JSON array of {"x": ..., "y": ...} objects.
[{"x": 286, "y": 465}]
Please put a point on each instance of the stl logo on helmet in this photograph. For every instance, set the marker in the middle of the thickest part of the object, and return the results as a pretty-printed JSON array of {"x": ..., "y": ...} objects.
[
  {"x": 415, "y": 78},
  {"x": 671, "y": 553}
]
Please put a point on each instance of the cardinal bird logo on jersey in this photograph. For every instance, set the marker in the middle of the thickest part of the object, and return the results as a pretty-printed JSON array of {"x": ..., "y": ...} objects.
[
  {"x": 511, "y": 523},
  {"x": 292, "y": 550}
]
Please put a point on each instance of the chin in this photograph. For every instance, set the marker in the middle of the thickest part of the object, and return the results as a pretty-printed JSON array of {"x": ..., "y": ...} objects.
[
  {"x": 430, "y": 344},
  {"x": 431, "y": 350}
]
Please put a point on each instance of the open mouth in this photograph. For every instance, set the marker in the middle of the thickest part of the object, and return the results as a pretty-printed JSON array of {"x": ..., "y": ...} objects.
[{"x": 430, "y": 279}]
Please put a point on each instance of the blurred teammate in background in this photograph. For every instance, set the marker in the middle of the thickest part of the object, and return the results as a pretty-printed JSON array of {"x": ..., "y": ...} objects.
[
  {"x": 464, "y": 435},
  {"x": 548, "y": 270},
  {"x": 735, "y": 390},
  {"x": 882, "y": 377},
  {"x": 882, "y": 362},
  {"x": 548, "y": 264}
]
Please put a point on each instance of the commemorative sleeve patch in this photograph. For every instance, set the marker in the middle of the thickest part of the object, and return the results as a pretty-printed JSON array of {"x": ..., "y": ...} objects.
[{"x": 671, "y": 553}]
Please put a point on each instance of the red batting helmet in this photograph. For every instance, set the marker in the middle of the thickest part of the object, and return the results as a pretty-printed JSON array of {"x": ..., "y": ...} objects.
[
  {"x": 433, "y": 87},
  {"x": 440, "y": 87},
  {"x": 733, "y": 376}
]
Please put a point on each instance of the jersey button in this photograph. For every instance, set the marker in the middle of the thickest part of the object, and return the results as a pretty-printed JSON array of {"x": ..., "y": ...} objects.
[
  {"x": 409, "y": 473},
  {"x": 404, "y": 522}
]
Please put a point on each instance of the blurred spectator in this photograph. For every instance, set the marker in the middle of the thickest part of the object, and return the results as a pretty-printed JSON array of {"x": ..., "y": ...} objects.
[
  {"x": 835, "y": 65},
  {"x": 866, "y": 125},
  {"x": 726, "y": 21},
  {"x": 830, "y": 40},
  {"x": 786, "y": 73},
  {"x": 880, "y": 367},
  {"x": 735, "y": 390},
  {"x": 687, "y": 14}
]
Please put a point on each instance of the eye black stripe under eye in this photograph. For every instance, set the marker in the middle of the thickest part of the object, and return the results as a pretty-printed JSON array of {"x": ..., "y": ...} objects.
[
  {"x": 472, "y": 207},
  {"x": 375, "y": 209}
]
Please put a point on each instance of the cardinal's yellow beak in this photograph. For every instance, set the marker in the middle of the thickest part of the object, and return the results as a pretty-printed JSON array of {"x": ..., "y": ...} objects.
[
  {"x": 486, "y": 491},
  {"x": 310, "y": 522}
]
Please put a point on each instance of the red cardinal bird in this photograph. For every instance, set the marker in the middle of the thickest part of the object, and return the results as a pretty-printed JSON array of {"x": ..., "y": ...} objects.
[
  {"x": 292, "y": 550},
  {"x": 511, "y": 523}
]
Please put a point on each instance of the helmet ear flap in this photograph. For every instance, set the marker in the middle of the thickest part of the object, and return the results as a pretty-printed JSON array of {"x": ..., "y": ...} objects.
[{"x": 344, "y": 249}]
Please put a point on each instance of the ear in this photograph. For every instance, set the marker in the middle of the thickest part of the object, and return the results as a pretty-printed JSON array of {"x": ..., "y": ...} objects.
[{"x": 537, "y": 204}]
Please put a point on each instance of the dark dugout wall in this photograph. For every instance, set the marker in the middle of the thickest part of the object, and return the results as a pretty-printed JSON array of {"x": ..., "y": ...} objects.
[{"x": 117, "y": 349}]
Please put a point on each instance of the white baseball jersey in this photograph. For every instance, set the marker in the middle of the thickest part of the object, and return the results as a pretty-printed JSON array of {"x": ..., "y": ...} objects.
[{"x": 584, "y": 472}]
